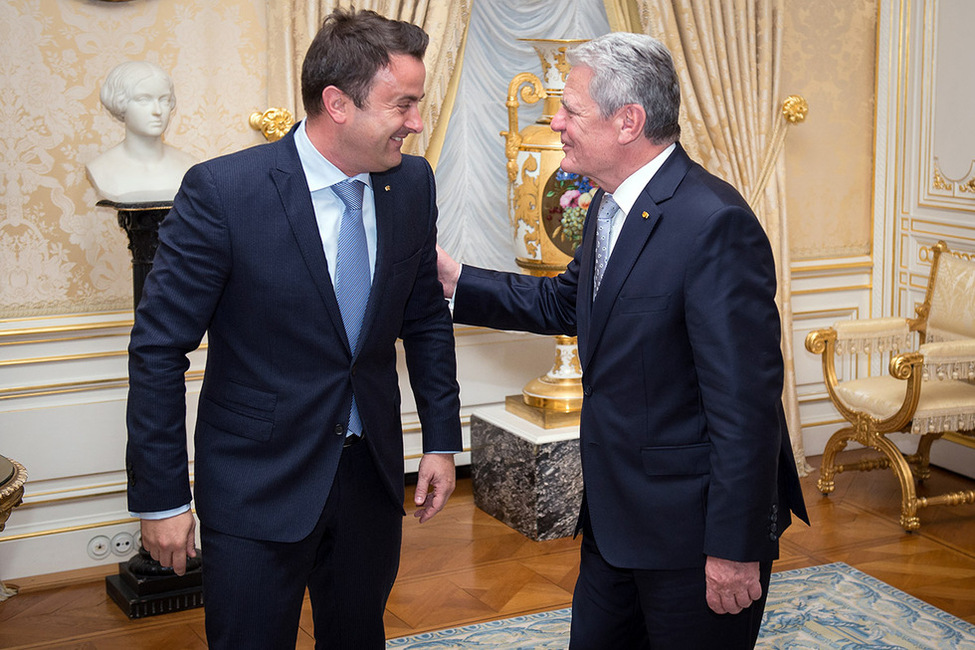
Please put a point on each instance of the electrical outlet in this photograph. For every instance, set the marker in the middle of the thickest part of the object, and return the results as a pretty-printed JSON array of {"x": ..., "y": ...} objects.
[
  {"x": 99, "y": 547},
  {"x": 123, "y": 543}
]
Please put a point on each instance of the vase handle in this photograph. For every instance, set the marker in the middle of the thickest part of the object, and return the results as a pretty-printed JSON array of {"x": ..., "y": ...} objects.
[{"x": 531, "y": 92}]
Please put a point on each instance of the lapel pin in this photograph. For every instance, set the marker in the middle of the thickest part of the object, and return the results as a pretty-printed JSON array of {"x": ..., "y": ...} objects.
[
  {"x": 387, "y": 188},
  {"x": 646, "y": 214}
]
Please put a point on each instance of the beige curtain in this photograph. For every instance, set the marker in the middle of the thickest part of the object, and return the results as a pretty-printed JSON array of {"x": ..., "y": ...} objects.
[
  {"x": 292, "y": 24},
  {"x": 728, "y": 55}
]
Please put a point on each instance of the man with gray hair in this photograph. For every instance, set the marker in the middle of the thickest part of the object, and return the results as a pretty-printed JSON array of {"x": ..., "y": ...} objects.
[{"x": 688, "y": 470}]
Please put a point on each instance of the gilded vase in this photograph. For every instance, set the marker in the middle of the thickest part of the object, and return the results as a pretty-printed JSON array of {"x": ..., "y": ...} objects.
[{"x": 546, "y": 208}]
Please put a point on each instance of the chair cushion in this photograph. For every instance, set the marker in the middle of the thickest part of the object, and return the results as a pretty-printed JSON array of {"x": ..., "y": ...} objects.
[{"x": 943, "y": 406}]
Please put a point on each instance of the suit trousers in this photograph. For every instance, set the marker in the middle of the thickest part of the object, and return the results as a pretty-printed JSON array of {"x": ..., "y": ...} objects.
[
  {"x": 638, "y": 609},
  {"x": 253, "y": 589}
]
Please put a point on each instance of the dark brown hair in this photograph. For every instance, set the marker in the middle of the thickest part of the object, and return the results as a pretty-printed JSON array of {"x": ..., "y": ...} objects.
[{"x": 349, "y": 49}]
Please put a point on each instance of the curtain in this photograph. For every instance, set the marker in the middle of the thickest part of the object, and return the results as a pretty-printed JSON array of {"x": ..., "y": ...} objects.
[
  {"x": 472, "y": 184},
  {"x": 291, "y": 26},
  {"x": 728, "y": 56}
]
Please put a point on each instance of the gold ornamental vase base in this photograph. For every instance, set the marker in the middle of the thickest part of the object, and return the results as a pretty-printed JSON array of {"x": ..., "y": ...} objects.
[
  {"x": 555, "y": 399},
  {"x": 539, "y": 416}
]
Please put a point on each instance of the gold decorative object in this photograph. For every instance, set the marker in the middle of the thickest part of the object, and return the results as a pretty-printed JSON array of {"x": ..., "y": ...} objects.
[
  {"x": 13, "y": 475},
  {"x": 940, "y": 183},
  {"x": 546, "y": 207},
  {"x": 794, "y": 111},
  {"x": 795, "y": 108},
  {"x": 274, "y": 123}
]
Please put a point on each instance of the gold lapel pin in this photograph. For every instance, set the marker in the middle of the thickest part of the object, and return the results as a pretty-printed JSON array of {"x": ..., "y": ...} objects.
[
  {"x": 646, "y": 214},
  {"x": 387, "y": 188}
]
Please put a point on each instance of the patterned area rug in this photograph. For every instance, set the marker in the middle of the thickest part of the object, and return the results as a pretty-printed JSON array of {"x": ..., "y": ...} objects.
[{"x": 829, "y": 606}]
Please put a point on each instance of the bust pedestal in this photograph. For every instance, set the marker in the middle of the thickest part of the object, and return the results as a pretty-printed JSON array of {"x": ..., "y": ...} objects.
[
  {"x": 526, "y": 476},
  {"x": 140, "y": 221}
]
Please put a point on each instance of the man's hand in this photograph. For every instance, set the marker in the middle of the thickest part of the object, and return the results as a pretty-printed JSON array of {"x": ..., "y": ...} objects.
[
  {"x": 170, "y": 540},
  {"x": 435, "y": 481},
  {"x": 448, "y": 272},
  {"x": 731, "y": 586}
]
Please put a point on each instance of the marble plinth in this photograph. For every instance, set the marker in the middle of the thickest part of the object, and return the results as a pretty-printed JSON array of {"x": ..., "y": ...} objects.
[{"x": 525, "y": 476}]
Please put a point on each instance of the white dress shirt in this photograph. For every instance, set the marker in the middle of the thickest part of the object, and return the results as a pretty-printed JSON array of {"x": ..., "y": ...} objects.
[{"x": 629, "y": 191}]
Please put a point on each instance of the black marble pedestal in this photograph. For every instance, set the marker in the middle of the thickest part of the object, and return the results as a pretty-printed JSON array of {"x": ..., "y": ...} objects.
[
  {"x": 143, "y": 588},
  {"x": 525, "y": 476},
  {"x": 140, "y": 221}
]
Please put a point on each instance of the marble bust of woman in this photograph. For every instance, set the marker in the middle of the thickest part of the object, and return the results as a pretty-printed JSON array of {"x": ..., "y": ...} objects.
[{"x": 141, "y": 168}]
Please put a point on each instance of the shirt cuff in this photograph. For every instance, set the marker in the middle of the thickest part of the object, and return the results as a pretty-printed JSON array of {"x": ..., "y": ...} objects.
[{"x": 162, "y": 514}]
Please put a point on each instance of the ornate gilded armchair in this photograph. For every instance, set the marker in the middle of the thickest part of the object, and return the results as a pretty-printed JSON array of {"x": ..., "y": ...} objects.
[{"x": 930, "y": 391}]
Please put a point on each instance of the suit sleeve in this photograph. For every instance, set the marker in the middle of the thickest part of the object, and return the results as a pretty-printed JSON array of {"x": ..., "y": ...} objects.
[
  {"x": 512, "y": 301},
  {"x": 734, "y": 328},
  {"x": 180, "y": 294},
  {"x": 428, "y": 342}
]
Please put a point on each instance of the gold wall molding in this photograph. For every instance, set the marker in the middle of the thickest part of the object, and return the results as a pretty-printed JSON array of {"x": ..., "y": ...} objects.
[
  {"x": 955, "y": 187},
  {"x": 67, "y": 388}
]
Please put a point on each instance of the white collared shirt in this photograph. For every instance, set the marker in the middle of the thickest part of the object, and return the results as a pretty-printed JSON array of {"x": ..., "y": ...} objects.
[
  {"x": 629, "y": 191},
  {"x": 321, "y": 174}
]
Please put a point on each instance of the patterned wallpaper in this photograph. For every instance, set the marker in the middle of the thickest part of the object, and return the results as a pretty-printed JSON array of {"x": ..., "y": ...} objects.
[
  {"x": 829, "y": 55},
  {"x": 59, "y": 253}
]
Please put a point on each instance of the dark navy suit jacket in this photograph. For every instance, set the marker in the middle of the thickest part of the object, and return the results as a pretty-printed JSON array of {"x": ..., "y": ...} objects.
[
  {"x": 685, "y": 451},
  {"x": 240, "y": 258}
]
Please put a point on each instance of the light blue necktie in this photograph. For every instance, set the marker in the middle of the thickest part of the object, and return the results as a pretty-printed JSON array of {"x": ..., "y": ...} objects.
[
  {"x": 352, "y": 273},
  {"x": 604, "y": 224}
]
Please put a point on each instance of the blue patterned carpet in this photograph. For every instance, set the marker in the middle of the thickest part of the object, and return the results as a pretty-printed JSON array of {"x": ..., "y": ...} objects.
[{"x": 829, "y": 606}]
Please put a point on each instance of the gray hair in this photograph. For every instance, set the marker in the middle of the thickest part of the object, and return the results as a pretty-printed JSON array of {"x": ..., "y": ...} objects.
[
  {"x": 117, "y": 90},
  {"x": 633, "y": 69}
]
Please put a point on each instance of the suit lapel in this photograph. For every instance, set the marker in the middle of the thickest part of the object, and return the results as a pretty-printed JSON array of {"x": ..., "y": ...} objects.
[
  {"x": 384, "y": 193},
  {"x": 640, "y": 223},
  {"x": 289, "y": 179}
]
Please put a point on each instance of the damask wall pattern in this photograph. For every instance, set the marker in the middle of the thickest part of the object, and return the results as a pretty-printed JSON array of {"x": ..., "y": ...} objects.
[
  {"x": 59, "y": 253},
  {"x": 829, "y": 57}
]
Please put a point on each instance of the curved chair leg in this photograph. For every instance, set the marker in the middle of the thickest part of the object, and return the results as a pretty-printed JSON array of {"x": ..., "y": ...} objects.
[
  {"x": 922, "y": 457},
  {"x": 909, "y": 518},
  {"x": 827, "y": 469}
]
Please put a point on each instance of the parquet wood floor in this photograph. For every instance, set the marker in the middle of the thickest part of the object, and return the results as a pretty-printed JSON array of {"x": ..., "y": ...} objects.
[{"x": 465, "y": 567}]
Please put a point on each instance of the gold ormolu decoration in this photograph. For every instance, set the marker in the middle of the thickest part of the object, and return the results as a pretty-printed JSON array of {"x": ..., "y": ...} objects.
[
  {"x": 542, "y": 247},
  {"x": 274, "y": 123},
  {"x": 13, "y": 475},
  {"x": 794, "y": 111}
]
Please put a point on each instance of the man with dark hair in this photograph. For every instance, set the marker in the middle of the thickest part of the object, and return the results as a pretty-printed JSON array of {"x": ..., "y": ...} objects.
[
  {"x": 689, "y": 477},
  {"x": 303, "y": 261}
]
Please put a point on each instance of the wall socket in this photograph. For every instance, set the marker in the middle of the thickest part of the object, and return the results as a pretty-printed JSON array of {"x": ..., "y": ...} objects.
[
  {"x": 99, "y": 547},
  {"x": 123, "y": 544}
]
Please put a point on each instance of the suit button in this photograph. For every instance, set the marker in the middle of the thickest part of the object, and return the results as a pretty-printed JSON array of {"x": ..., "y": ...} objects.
[
  {"x": 773, "y": 517},
  {"x": 773, "y": 537},
  {"x": 352, "y": 372},
  {"x": 339, "y": 430},
  {"x": 772, "y": 527},
  {"x": 586, "y": 390}
]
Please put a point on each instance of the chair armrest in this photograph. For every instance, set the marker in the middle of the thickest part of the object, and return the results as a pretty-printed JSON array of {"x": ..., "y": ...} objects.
[
  {"x": 949, "y": 360},
  {"x": 866, "y": 335}
]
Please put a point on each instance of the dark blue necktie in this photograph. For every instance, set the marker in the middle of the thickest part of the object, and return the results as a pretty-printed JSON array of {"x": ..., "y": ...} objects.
[{"x": 352, "y": 273}]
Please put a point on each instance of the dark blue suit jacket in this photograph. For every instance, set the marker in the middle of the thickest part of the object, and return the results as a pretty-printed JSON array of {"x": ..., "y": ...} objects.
[
  {"x": 684, "y": 448},
  {"x": 240, "y": 258}
]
